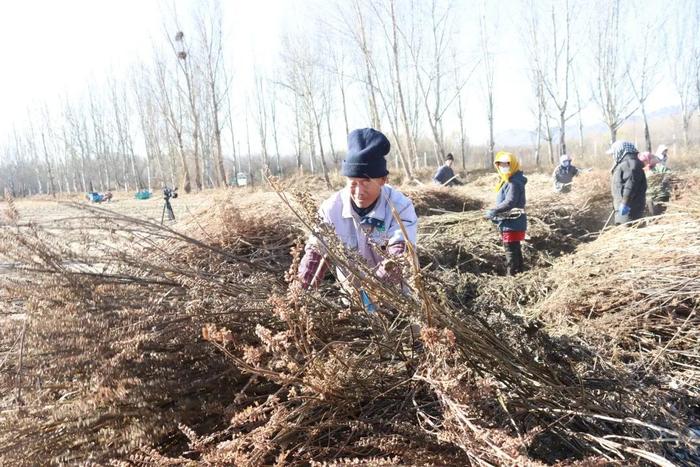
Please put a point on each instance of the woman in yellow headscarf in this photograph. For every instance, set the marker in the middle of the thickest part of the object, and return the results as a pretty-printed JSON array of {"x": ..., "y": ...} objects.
[{"x": 509, "y": 212}]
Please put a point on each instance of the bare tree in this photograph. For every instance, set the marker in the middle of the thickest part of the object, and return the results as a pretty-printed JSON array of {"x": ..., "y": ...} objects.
[
  {"x": 394, "y": 99},
  {"x": 304, "y": 78},
  {"x": 227, "y": 93},
  {"x": 612, "y": 93},
  {"x": 645, "y": 78},
  {"x": 148, "y": 119},
  {"x": 579, "y": 113},
  {"x": 358, "y": 28},
  {"x": 121, "y": 111},
  {"x": 298, "y": 131},
  {"x": 74, "y": 135},
  {"x": 45, "y": 147},
  {"x": 273, "y": 121},
  {"x": 550, "y": 51},
  {"x": 460, "y": 111},
  {"x": 182, "y": 54},
  {"x": 394, "y": 41},
  {"x": 211, "y": 39},
  {"x": 488, "y": 66},
  {"x": 247, "y": 142},
  {"x": 261, "y": 116},
  {"x": 557, "y": 85},
  {"x": 172, "y": 113},
  {"x": 431, "y": 79},
  {"x": 683, "y": 65},
  {"x": 338, "y": 59}
]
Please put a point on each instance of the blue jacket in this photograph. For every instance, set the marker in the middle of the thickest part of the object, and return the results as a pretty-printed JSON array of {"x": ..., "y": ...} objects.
[
  {"x": 512, "y": 195},
  {"x": 443, "y": 174}
]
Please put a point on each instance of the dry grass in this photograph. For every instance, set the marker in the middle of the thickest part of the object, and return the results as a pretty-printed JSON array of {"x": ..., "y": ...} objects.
[
  {"x": 633, "y": 294},
  {"x": 152, "y": 346}
]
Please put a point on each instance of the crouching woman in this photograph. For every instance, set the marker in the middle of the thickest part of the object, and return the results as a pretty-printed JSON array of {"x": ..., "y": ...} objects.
[{"x": 509, "y": 212}]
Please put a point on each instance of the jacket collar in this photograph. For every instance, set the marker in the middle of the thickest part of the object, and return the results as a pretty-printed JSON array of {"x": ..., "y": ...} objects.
[{"x": 379, "y": 211}]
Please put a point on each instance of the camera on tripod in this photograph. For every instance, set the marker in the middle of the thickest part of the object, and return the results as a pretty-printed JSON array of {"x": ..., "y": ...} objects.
[
  {"x": 167, "y": 207},
  {"x": 169, "y": 193}
]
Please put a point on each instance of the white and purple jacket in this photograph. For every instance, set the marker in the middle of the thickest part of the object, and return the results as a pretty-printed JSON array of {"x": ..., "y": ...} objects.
[{"x": 377, "y": 229}]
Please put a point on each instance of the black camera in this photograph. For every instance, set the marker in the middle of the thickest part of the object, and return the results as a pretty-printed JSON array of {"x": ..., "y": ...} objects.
[
  {"x": 167, "y": 207},
  {"x": 169, "y": 193}
]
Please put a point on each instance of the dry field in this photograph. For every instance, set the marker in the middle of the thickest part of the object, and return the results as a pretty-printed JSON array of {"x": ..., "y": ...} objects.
[{"x": 126, "y": 343}]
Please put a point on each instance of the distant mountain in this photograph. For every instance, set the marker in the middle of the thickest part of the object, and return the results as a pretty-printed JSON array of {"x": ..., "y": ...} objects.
[
  {"x": 521, "y": 137},
  {"x": 515, "y": 137}
]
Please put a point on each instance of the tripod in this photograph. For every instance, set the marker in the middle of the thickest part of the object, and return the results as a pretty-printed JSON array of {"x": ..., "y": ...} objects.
[{"x": 167, "y": 207}]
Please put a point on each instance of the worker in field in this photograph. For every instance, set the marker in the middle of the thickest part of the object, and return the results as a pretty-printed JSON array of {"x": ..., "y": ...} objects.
[
  {"x": 662, "y": 154},
  {"x": 509, "y": 212},
  {"x": 658, "y": 183},
  {"x": 564, "y": 174},
  {"x": 361, "y": 216},
  {"x": 444, "y": 175},
  {"x": 628, "y": 183}
]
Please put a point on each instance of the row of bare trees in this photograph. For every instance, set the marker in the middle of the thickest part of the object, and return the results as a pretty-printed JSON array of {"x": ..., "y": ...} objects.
[{"x": 419, "y": 71}]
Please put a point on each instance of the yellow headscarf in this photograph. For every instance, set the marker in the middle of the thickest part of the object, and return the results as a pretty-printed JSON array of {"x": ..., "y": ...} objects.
[{"x": 504, "y": 156}]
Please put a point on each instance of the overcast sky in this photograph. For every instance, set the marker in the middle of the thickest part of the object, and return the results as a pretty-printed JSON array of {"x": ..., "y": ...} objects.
[{"x": 54, "y": 49}]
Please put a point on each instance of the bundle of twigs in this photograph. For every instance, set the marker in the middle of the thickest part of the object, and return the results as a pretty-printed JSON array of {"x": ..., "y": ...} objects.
[
  {"x": 634, "y": 294},
  {"x": 306, "y": 376},
  {"x": 466, "y": 368},
  {"x": 430, "y": 200},
  {"x": 112, "y": 358}
]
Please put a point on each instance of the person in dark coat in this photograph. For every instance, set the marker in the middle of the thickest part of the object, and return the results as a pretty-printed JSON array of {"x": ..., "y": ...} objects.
[
  {"x": 509, "y": 212},
  {"x": 564, "y": 174},
  {"x": 628, "y": 182},
  {"x": 444, "y": 174}
]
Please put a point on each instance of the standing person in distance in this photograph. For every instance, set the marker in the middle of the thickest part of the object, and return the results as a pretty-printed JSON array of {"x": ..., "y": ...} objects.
[
  {"x": 628, "y": 183},
  {"x": 509, "y": 212}
]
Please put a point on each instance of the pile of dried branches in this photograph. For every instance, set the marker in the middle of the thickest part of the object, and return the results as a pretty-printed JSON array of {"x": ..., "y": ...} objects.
[
  {"x": 116, "y": 316},
  {"x": 558, "y": 223},
  {"x": 430, "y": 200},
  {"x": 113, "y": 357},
  {"x": 634, "y": 294}
]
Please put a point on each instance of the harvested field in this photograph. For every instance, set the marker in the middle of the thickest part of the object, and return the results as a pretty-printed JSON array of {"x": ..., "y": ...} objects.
[{"x": 192, "y": 343}]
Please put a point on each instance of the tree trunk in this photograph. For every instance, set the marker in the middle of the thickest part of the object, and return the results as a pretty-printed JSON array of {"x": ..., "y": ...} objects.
[
  {"x": 345, "y": 107},
  {"x": 399, "y": 88},
  {"x": 312, "y": 148},
  {"x": 236, "y": 167},
  {"x": 273, "y": 116},
  {"x": 297, "y": 123},
  {"x": 324, "y": 167},
  {"x": 462, "y": 137},
  {"x": 538, "y": 138},
  {"x": 492, "y": 143},
  {"x": 219, "y": 158},
  {"x": 374, "y": 111},
  {"x": 647, "y": 135},
  {"x": 562, "y": 131},
  {"x": 52, "y": 184},
  {"x": 183, "y": 161}
]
